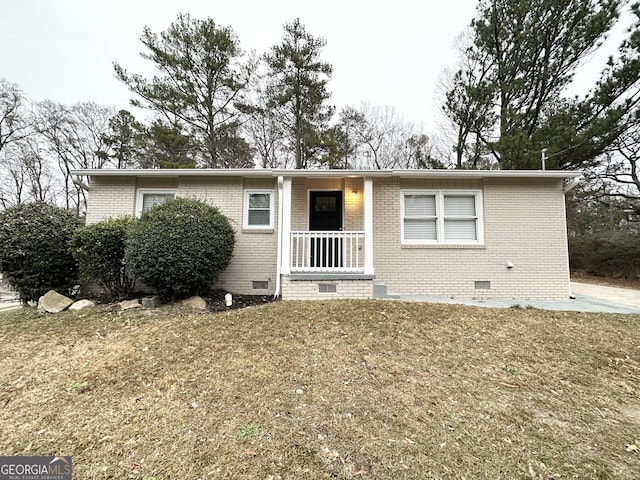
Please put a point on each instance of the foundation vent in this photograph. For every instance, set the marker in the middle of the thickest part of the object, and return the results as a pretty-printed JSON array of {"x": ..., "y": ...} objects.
[
  {"x": 483, "y": 285},
  {"x": 260, "y": 285},
  {"x": 327, "y": 288}
]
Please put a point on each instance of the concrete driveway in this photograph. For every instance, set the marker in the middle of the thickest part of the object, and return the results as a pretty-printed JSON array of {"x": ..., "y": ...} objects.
[{"x": 588, "y": 298}]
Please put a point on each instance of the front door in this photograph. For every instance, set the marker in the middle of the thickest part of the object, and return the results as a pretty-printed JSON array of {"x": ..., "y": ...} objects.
[{"x": 325, "y": 214}]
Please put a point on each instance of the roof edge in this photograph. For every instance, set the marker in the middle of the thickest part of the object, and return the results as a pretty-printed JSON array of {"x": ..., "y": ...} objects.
[{"x": 265, "y": 173}]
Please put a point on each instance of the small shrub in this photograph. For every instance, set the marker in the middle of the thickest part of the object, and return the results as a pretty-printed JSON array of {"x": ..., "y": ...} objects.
[
  {"x": 35, "y": 250},
  {"x": 179, "y": 247},
  {"x": 99, "y": 250}
]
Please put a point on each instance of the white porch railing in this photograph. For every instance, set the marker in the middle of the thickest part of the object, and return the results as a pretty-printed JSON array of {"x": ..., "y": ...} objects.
[{"x": 327, "y": 252}]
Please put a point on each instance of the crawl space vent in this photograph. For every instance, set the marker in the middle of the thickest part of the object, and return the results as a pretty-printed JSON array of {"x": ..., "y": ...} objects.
[
  {"x": 483, "y": 285},
  {"x": 327, "y": 288},
  {"x": 260, "y": 285}
]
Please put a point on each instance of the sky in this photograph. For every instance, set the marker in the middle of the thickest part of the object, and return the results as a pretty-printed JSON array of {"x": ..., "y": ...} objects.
[{"x": 387, "y": 53}]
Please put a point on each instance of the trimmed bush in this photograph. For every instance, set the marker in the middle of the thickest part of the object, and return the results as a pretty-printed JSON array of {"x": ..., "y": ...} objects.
[
  {"x": 35, "y": 250},
  {"x": 179, "y": 247},
  {"x": 99, "y": 250}
]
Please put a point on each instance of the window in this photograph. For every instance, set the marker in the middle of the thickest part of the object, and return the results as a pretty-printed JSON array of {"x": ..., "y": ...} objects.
[
  {"x": 150, "y": 197},
  {"x": 436, "y": 217},
  {"x": 258, "y": 209}
]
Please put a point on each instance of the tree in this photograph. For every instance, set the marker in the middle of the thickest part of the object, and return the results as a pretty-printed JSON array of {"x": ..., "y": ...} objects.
[
  {"x": 263, "y": 127},
  {"x": 167, "y": 146},
  {"x": 298, "y": 89},
  {"x": 74, "y": 137},
  {"x": 375, "y": 137},
  {"x": 25, "y": 173},
  {"x": 202, "y": 74},
  {"x": 522, "y": 58},
  {"x": 123, "y": 140},
  {"x": 35, "y": 249},
  {"x": 13, "y": 124}
]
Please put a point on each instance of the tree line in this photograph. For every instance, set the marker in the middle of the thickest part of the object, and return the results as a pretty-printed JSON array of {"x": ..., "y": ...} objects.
[{"x": 212, "y": 105}]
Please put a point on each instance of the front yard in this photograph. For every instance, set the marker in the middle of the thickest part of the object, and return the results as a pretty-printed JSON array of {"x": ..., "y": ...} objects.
[{"x": 342, "y": 389}]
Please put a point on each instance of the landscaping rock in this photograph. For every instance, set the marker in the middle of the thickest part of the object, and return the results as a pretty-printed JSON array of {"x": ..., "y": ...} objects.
[
  {"x": 53, "y": 302},
  {"x": 80, "y": 304},
  {"x": 151, "y": 302},
  {"x": 194, "y": 303},
  {"x": 129, "y": 304}
]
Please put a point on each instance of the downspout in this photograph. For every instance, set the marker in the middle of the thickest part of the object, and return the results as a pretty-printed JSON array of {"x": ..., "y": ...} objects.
[{"x": 280, "y": 239}]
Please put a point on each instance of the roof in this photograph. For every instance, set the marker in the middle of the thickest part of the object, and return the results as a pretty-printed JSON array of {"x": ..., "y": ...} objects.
[{"x": 266, "y": 173}]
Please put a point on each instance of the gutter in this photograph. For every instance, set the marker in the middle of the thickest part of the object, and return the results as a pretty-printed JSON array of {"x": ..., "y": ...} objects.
[
  {"x": 270, "y": 173},
  {"x": 570, "y": 184}
]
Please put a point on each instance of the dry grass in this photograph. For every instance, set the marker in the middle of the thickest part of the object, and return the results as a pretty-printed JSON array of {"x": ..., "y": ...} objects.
[{"x": 353, "y": 389}]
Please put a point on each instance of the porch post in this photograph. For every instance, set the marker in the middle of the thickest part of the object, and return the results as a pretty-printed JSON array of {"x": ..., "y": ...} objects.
[
  {"x": 368, "y": 226},
  {"x": 286, "y": 226}
]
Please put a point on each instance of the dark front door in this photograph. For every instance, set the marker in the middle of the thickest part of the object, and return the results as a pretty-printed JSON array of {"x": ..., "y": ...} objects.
[{"x": 325, "y": 214}]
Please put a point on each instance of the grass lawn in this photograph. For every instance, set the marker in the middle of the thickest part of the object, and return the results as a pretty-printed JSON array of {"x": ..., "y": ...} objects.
[{"x": 340, "y": 389}]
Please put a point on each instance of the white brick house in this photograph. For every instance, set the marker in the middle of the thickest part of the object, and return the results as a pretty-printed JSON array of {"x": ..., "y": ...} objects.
[{"x": 309, "y": 234}]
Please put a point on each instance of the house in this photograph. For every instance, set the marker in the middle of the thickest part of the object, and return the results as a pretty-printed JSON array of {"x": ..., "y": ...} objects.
[{"x": 310, "y": 234}]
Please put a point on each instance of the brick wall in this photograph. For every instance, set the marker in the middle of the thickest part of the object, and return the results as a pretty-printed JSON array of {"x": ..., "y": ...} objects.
[
  {"x": 255, "y": 252},
  {"x": 524, "y": 223},
  {"x": 111, "y": 197},
  {"x": 309, "y": 289}
]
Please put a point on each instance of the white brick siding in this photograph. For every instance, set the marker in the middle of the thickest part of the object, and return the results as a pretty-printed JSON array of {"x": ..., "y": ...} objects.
[
  {"x": 254, "y": 255},
  {"x": 309, "y": 289},
  {"x": 524, "y": 224}
]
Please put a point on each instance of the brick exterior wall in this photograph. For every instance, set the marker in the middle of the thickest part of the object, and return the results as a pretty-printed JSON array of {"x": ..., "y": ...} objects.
[
  {"x": 524, "y": 223},
  {"x": 111, "y": 197},
  {"x": 255, "y": 252},
  {"x": 309, "y": 289}
]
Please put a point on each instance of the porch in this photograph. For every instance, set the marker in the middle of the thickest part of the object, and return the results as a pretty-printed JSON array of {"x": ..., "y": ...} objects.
[
  {"x": 326, "y": 237},
  {"x": 327, "y": 252},
  {"x": 323, "y": 239}
]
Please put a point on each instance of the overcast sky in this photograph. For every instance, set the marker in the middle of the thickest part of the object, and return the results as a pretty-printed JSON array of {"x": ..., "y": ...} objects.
[{"x": 383, "y": 52}]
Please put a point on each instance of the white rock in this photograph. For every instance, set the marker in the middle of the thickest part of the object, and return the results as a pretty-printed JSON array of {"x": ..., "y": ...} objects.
[
  {"x": 80, "y": 304},
  {"x": 53, "y": 302}
]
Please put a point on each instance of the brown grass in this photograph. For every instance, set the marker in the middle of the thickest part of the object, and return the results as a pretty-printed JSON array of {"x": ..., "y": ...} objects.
[{"x": 343, "y": 389}]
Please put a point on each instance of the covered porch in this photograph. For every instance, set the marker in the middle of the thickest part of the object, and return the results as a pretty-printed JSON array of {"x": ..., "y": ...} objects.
[{"x": 326, "y": 226}]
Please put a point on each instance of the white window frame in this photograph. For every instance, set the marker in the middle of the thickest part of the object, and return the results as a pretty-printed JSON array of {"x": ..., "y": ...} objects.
[
  {"x": 142, "y": 191},
  {"x": 440, "y": 218},
  {"x": 245, "y": 215}
]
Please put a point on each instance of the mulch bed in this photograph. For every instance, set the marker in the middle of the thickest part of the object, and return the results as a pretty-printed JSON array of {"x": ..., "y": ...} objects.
[{"x": 216, "y": 301}]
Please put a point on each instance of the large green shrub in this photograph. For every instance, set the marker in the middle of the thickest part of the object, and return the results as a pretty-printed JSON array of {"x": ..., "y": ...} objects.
[
  {"x": 99, "y": 249},
  {"x": 35, "y": 250},
  {"x": 179, "y": 247}
]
